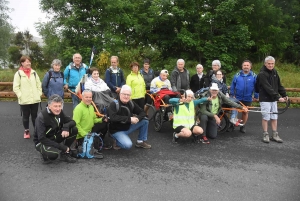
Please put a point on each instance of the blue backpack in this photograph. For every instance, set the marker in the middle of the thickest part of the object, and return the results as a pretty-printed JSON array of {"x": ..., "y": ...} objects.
[{"x": 87, "y": 149}]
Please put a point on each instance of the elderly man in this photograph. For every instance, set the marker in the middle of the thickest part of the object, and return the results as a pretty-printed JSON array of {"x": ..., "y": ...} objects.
[
  {"x": 53, "y": 127},
  {"x": 180, "y": 77},
  {"x": 197, "y": 80},
  {"x": 114, "y": 76},
  {"x": 242, "y": 89},
  {"x": 184, "y": 116},
  {"x": 125, "y": 118},
  {"x": 73, "y": 74},
  {"x": 270, "y": 91},
  {"x": 209, "y": 119},
  {"x": 87, "y": 121},
  {"x": 216, "y": 65}
]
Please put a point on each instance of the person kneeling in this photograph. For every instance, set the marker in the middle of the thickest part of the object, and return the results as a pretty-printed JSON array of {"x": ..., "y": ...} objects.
[
  {"x": 52, "y": 127},
  {"x": 126, "y": 117},
  {"x": 183, "y": 118}
]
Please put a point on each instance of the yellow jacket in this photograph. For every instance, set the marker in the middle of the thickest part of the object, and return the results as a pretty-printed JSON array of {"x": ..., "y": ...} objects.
[{"x": 28, "y": 90}]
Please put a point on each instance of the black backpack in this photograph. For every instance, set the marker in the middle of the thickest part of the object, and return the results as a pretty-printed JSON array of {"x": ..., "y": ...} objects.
[{"x": 50, "y": 72}]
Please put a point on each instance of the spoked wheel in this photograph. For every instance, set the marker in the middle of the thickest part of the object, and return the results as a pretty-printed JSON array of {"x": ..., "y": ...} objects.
[
  {"x": 151, "y": 111},
  {"x": 158, "y": 120},
  {"x": 224, "y": 122}
]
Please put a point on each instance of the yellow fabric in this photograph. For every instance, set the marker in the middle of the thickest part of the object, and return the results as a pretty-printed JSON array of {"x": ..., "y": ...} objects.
[
  {"x": 215, "y": 105},
  {"x": 185, "y": 116}
]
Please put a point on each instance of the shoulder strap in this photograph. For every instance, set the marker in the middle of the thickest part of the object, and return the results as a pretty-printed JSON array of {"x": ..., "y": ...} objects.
[
  {"x": 49, "y": 77},
  {"x": 117, "y": 105}
]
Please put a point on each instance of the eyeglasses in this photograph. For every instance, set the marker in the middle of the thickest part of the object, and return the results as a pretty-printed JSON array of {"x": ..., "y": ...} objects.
[
  {"x": 219, "y": 74},
  {"x": 126, "y": 94}
]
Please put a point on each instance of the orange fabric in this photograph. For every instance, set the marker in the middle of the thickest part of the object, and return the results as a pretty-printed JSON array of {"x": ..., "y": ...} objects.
[{"x": 160, "y": 95}]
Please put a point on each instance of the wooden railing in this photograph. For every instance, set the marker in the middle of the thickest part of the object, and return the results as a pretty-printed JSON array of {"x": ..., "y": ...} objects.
[{"x": 67, "y": 95}]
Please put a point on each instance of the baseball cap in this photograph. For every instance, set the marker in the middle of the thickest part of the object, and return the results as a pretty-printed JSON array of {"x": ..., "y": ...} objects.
[
  {"x": 164, "y": 71},
  {"x": 214, "y": 86}
]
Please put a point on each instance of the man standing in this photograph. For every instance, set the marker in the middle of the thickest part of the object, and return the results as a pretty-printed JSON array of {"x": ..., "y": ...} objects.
[
  {"x": 87, "y": 121},
  {"x": 270, "y": 91},
  {"x": 242, "y": 89},
  {"x": 125, "y": 118},
  {"x": 197, "y": 80},
  {"x": 53, "y": 127},
  {"x": 73, "y": 74},
  {"x": 180, "y": 77},
  {"x": 114, "y": 76}
]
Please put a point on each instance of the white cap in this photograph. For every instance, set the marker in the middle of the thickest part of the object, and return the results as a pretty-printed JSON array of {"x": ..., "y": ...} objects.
[
  {"x": 214, "y": 86},
  {"x": 164, "y": 71}
]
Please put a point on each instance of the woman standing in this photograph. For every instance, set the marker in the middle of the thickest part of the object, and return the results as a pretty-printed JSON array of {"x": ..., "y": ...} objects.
[
  {"x": 137, "y": 84},
  {"x": 53, "y": 82},
  {"x": 27, "y": 86}
]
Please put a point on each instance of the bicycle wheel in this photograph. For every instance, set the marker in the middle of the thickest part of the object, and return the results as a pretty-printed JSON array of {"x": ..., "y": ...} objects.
[
  {"x": 224, "y": 122},
  {"x": 158, "y": 120},
  {"x": 151, "y": 111}
]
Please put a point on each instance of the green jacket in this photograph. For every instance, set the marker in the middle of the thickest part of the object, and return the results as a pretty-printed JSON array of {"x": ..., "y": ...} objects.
[
  {"x": 137, "y": 84},
  {"x": 85, "y": 118},
  {"x": 28, "y": 90},
  {"x": 206, "y": 107}
]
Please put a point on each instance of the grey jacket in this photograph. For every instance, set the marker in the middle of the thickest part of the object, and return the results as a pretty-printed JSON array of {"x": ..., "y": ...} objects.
[{"x": 176, "y": 80}]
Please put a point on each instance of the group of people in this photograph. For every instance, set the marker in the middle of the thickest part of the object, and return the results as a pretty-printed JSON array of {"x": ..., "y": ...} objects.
[{"x": 128, "y": 109}]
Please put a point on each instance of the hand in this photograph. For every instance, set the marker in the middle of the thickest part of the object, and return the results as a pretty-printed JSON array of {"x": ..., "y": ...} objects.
[
  {"x": 209, "y": 98},
  {"x": 134, "y": 120},
  {"x": 281, "y": 100},
  {"x": 118, "y": 90},
  {"x": 104, "y": 118},
  {"x": 218, "y": 121},
  {"x": 66, "y": 86},
  {"x": 255, "y": 99},
  {"x": 245, "y": 109},
  {"x": 286, "y": 98},
  {"x": 68, "y": 150},
  {"x": 65, "y": 134}
]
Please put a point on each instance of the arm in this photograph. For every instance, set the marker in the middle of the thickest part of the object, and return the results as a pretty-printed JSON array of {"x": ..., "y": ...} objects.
[
  {"x": 281, "y": 89},
  {"x": 122, "y": 78},
  {"x": 139, "y": 111},
  {"x": 200, "y": 101},
  {"x": 203, "y": 110},
  {"x": 108, "y": 81},
  {"x": 68, "y": 123},
  {"x": 174, "y": 101},
  {"x": 153, "y": 87},
  {"x": 66, "y": 75},
  {"x": 232, "y": 87},
  {"x": 17, "y": 85},
  {"x": 38, "y": 84},
  {"x": 77, "y": 119},
  {"x": 263, "y": 82}
]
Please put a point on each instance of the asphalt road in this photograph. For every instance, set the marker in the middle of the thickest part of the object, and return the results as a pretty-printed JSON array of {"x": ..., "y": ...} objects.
[{"x": 234, "y": 166}]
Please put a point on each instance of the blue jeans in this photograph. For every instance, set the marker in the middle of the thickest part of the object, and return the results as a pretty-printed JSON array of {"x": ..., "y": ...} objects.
[
  {"x": 75, "y": 100},
  {"x": 123, "y": 139}
]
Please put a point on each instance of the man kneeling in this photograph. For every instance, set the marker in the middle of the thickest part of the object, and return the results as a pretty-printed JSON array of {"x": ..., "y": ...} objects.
[
  {"x": 52, "y": 127},
  {"x": 126, "y": 117},
  {"x": 184, "y": 116}
]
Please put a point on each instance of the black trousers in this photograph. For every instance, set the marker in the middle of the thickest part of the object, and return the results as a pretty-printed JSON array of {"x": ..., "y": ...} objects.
[
  {"x": 27, "y": 110},
  {"x": 52, "y": 153}
]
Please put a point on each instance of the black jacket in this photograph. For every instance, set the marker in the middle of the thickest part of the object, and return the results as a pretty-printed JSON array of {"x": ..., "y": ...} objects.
[
  {"x": 120, "y": 120},
  {"x": 196, "y": 83},
  {"x": 269, "y": 84},
  {"x": 47, "y": 125}
]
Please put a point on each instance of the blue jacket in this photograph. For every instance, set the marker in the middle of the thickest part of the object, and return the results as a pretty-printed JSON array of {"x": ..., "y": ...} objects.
[
  {"x": 242, "y": 86},
  {"x": 55, "y": 84},
  {"x": 114, "y": 80},
  {"x": 73, "y": 75}
]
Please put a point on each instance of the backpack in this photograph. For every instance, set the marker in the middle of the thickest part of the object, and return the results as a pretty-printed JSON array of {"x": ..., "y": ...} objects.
[
  {"x": 50, "y": 76},
  {"x": 201, "y": 93},
  {"x": 126, "y": 108},
  {"x": 87, "y": 150}
]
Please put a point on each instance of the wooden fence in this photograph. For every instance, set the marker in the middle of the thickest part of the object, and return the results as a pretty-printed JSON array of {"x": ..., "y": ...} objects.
[{"x": 11, "y": 94}]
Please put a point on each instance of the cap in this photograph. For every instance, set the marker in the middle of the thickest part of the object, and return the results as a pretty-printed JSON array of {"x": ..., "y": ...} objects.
[
  {"x": 164, "y": 71},
  {"x": 214, "y": 86}
]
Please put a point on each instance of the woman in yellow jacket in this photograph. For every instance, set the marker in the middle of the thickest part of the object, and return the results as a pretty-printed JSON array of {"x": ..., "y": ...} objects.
[
  {"x": 27, "y": 86},
  {"x": 137, "y": 83}
]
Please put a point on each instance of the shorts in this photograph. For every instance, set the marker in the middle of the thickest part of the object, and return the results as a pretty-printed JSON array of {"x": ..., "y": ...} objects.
[
  {"x": 268, "y": 107},
  {"x": 179, "y": 128},
  {"x": 246, "y": 103}
]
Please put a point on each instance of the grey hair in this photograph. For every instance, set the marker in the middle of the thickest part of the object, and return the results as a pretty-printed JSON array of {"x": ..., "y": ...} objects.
[
  {"x": 125, "y": 88},
  {"x": 114, "y": 57},
  {"x": 189, "y": 92},
  {"x": 55, "y": 62},
  {"x": 78, "y": 54},
  {"x": 199, "y": 65},
  {"x": 268, "y": 58},
  {"x": 86, "y": 91},
  {"x": 216, "y": 62},
  {"x": 180, "y": 60},
  {"x": 55, "y": 98}
]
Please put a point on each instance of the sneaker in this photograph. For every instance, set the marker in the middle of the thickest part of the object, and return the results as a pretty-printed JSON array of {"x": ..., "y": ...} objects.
[
  {"x": 242, "y": 129},
  {"x": 276, "y": 137},
  {"x": 236, "y": 122},
  {"x": 266, "y": 138},
  {"x": 204, "y": 140},
  {"x": 143, "y": 145},
  {"x": 67, "y": 158},
  {"x": 26, "y": 134},
  {"x": 98, "y": 155},
  {"x": 175, "y": 139},
  {"x": 196, "y": 138},
  {"x": 45, "y": 160}
]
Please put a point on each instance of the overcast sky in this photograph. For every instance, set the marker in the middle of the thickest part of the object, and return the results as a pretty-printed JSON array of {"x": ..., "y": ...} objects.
[{"x": 25, "y": 14}]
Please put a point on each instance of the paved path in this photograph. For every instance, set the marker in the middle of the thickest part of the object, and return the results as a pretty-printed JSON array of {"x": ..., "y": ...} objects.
[{"x": 233, "y": 167}]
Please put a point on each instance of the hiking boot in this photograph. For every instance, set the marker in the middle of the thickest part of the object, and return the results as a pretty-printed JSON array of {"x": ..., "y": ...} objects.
[
  {"x": 196, "y": 138},
  {"x": 98, "y": 155},
  {"x": 45, "y": 160},
  {"x": 204, "y": 140},
  {"x": 243, "y": 129},
  {"x": 143, "y": 145},
  {"x": 276, "y": 137},
  {"x": 26, "y": 134},
  {"x": 266, "y": 138},
  {"x": 67, "y": 158},
  {"x": 175, "y": 139}
]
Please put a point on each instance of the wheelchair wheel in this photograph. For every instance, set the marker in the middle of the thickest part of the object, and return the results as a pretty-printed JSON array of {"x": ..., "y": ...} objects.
[
  {"x": 158, "y": 120},
  {"x": 224, "y": 123},
  {"x": 151, "y": 111}
]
